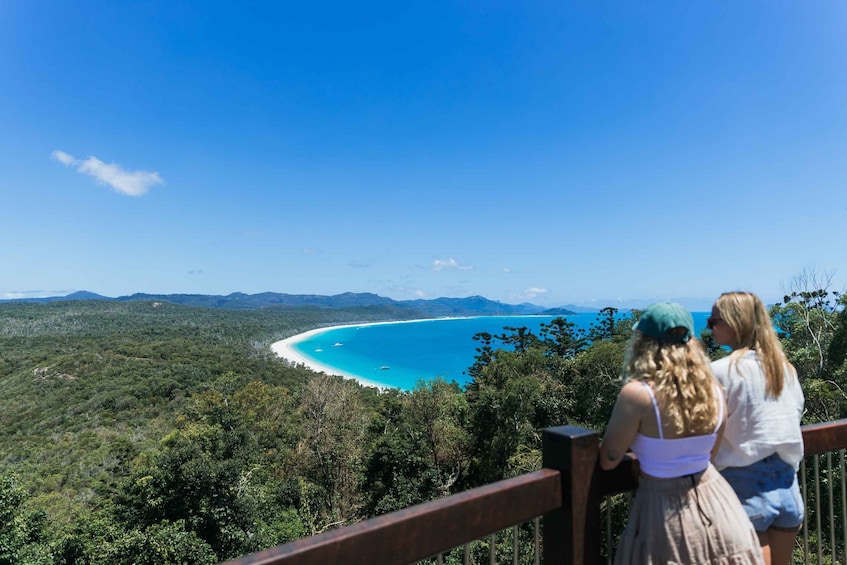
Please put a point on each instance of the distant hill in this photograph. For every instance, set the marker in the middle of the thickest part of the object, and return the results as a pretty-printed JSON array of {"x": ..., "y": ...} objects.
[
  {"x": 79, "y": 295},
  {"x": 438, "y": 307},
  {"x": 563, "y": 311},
  {"x": 472, "y": 305},
  {"x": 578, "y": 309}
]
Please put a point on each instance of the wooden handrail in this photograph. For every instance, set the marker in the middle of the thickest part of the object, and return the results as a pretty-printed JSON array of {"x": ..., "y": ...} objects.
[
  {"x": 823, "y": 437},
  {"x": 423, "y": 530}
]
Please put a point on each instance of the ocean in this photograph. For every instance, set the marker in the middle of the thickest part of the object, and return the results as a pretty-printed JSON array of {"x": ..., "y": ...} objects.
[{"x": 396, "y": 355}]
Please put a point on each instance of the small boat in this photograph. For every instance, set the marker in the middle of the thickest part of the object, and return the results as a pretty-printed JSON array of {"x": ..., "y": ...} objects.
[
  {"x": 384, "y": 367},
  {"x": 337, "y": 344},
  {"x": 319, "y": 350}
]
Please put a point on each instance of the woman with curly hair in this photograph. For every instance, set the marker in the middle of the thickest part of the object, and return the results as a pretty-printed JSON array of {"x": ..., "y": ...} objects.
[
  {"x": 762, "y": 445},
  {"x": 670, "y": 413}
]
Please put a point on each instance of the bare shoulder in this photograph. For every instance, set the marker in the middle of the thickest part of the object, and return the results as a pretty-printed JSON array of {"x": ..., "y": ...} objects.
[
  {"x": 633, "y": 401},
  {"x": 636, "y": 393},
  {"x": 624, "y": 424}
]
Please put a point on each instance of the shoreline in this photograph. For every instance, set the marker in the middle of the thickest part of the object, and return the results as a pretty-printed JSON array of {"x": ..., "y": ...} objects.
[{"x": 285, "y": 350}]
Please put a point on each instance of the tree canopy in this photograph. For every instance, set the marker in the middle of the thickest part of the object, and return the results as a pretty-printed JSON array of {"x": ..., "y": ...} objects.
[{"x": 147, "y": 432}]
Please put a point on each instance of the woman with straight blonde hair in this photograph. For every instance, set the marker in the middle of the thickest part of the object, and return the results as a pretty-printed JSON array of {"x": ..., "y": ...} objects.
[
  {"x": 762, "y": 445},
  {"x": 670, "y": 413}
]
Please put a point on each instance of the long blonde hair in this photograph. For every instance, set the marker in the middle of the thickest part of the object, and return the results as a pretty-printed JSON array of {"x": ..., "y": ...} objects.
[
  {"x": 749, "y": 319},
  {"x": 681, "y": 380}
]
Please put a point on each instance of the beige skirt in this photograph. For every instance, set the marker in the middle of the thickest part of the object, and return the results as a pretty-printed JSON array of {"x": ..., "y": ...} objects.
[{"x": 689, "y": 520}]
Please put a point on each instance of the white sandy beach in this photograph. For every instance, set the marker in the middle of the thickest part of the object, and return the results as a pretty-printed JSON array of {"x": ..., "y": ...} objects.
[{"x": 285, "y": 350}]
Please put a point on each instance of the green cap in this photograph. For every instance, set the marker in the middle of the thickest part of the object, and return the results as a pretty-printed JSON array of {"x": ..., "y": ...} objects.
[{"x": 658, "y": 320}]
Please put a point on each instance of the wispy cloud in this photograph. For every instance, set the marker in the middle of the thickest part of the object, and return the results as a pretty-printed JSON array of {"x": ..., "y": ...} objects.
[
  {"x": 531, "y": 293},
  {"x": 450, "y": 264},
  {"x": 18, "y": 294},
  {"x": 131, "y": 183},
  {"x": 63, "y": 157},
  {"x": 400, "y": 290}
]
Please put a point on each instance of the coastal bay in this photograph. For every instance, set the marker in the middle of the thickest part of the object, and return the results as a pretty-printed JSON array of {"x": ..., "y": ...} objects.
[{"x": 398, "y": 354}]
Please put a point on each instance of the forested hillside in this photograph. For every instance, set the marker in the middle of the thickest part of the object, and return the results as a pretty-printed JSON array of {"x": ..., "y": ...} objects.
[
  {"x": 148, "y": 432},
  {"x": 89, "y": 389}
]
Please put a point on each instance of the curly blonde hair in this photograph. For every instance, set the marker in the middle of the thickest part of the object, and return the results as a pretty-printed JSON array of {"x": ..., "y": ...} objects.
[
  {"x": 745, "y": 313},
  {"x": 681, "y": 379}
]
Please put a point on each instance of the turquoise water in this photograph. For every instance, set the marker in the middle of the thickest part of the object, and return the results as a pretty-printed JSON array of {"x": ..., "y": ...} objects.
[{"x": 397, "y": 355}]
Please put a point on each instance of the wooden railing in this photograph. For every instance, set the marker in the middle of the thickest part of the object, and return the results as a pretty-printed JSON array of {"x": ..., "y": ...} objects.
[{"x": 566, "y": 492}]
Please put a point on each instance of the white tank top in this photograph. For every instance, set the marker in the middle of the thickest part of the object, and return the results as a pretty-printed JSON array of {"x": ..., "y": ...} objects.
[{"x": 671, "y": 458}]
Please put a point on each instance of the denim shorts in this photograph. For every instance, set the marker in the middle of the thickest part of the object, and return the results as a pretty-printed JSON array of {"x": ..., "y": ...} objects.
[{"x": 769, "y": 493}]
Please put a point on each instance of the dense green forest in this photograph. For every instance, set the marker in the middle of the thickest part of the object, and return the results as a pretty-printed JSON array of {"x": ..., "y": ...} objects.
[{"x": 148, "y": 432}]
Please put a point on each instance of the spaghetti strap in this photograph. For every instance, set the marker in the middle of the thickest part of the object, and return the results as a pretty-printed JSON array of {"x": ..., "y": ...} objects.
[{"x": 655, "y": 409}]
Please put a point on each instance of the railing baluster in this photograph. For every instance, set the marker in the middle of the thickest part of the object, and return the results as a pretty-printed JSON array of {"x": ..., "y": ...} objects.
[
  {"x": 515, "y": 545},
  {"x": 818, "y": 508},
  {"x": 806, "y": 519},
  {"x": 536, "y": 528},
  {"x": 843, "y": 506},
  {"x": 830, "y": 491},
  {"x": 533, "y": 549},
  {"x": 609, "y": 550}
]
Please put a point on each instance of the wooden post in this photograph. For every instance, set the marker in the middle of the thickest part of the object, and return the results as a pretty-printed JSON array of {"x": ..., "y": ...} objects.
[{"x": 572, "y": 534}]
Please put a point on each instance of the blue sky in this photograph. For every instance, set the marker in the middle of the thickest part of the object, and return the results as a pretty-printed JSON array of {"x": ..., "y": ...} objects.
[{"x": 551, "y": 152}]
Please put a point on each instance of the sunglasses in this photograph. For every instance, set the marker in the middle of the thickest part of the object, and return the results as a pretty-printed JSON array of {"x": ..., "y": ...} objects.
[{"x": 711, "y": 321}]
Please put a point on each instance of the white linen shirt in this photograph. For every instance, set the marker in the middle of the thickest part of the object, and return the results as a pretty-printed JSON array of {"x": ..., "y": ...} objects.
[{"x": 756, "y": 426}]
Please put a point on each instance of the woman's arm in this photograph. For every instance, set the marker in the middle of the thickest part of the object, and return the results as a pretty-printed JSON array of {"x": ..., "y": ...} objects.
[
  {"x": 722, "y": 425},
  {"x": 623, "y": 425}
]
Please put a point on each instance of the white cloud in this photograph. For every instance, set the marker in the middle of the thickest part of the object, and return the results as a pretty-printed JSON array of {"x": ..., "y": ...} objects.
[
  {"x": 63, "y": 157},
  {"x": 131, "y": 183},
  {"x": 531, "y": 293},
  {"x": 18, "y": 294},
  {"x": 439, "y": 265},
  {"x": 400, "y": 290}
]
